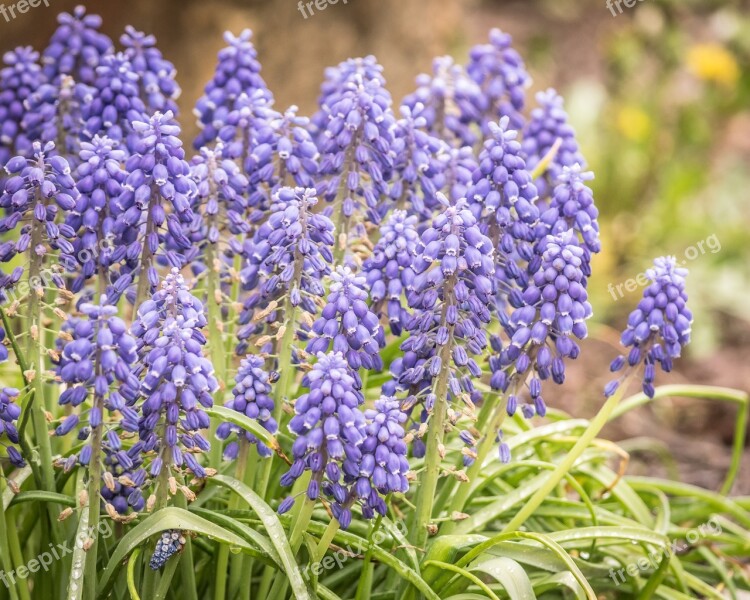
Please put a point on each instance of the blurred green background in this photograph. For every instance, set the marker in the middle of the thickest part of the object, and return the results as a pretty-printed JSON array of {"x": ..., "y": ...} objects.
[{"x": 659, "y": 95}]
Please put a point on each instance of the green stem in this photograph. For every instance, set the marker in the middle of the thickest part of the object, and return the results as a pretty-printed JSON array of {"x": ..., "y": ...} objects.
[
  {"x": 235, "y": 502},
  {"x": 216, "y": 347},
  {"x": 147, "y": 257},
  {"x": 150, "y": 579},
  {"x": 5, "y": 553},
  {"x": 364, "y": 586},
  {"x": 326, "y": 540},
  {"x": 435, "y": 432},
  {"x": 588, "y": 436},
  {"x": 488, "y": 442}
]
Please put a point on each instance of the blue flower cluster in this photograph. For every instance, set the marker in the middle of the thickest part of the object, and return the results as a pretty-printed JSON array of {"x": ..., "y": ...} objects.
[
  {"x": 553, "y": 311},
  {"x": 19, "y": 78},
  {"x": 388, "y": 269},
  {"x": 124, "y": 491},
  {"x": 348, "y": 324},
  {"x": 548, "y": 124},
  {"x": 176, "y": 379},
  {"x": 237, "y": 73},
  {"x": 502, "y": 77},
  {"x": 76, "y": 47},
  {"x": 329, "y": 427},
  {"x": 99, "y": 353},
  {"x": 290, "y": 254},
  {"x": 99, "y": 179},
  {"x": 156, "y": 75},
  {"x": 251, "y": 397},
  {"x": 451, "y": 296},
  {"x": 171, "y": 542},
  {"x": 9, "y": 413},
  {"x": 39, "y": 187},
  {"x": 659, "y": 328},
  {"x": 158, "y": 177},
  {"x": 355, "y": 144}
]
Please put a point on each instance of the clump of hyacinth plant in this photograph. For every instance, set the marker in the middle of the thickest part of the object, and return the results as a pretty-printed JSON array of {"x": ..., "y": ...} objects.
[{"x": 251, "y": 384}]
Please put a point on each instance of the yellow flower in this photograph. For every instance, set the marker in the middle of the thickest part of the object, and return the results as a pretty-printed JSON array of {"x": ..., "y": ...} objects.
[
  {"x": 633, "y": 123},
  {"x": 713, "y": 62}
]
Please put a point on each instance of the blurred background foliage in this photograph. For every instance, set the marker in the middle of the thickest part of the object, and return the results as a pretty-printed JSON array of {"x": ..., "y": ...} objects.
[{"x": 659, "y": 95}]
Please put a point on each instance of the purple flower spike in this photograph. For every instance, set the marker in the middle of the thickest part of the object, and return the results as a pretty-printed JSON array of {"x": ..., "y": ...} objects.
[
  {"x": 420, "y": 164},
  {"x": 125, "y": 493},
  {"x": 112, "y": 104},
  {"x": 176, "y": 379},
  {"x": 36, "y": 191},
  {"x": 356, "y": 158},
  {"x": 20, "y": 76},
  {"x": 156, "y": 74},
  {"x": 97, "y": 354},
  {"x": 237, "y": 73},
  {"x": 155, "y": 215},
  {"x": 572, "y": 208},
  {"x": 99, "y": 179},
  {"x": 453, "y": 103},
  {"x": 347, "y": 323},
  {"x": 553, "y": 311},
  {"x": 55, "y": 111},
  {"x": 388, "y": 270},
  {"x": 499, "y": 71},
  {"x": 659, "y": 328},
  {"x": 290, "y": 254},
  {"x": 9, "y": 413},
  {"x": 549, "y": 123},
  {"x": 252, "y": 397},
  {"x": 77, "y": 47},
  {"x": 329, "y": 427}
]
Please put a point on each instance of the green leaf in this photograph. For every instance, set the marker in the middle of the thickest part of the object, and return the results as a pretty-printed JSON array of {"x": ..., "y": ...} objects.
[
  {"x": 224, "y": 414},
  {"x": 273, "y": 527},
  {"x": 510, "y": 575},
  {"x": 166, "y": 518},
  {"x": 466, "y": 574}
]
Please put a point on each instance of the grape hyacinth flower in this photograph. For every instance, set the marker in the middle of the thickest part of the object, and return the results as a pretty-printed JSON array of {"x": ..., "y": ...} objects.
[
  {"x": 365, "y": 68},
  {"x": 112, "y": 104},
  {"x": 553, "y": 310},
  {"x": 171, "y": 542},
  {"x": 501, "y": 74},
  {"x": 237, "y": 73},
  {"x": 356, "y": 156},
  {"x": 283, "y": 152},
  {"x": 658, "y": 329},
  {"x": 383, "y": 468},
  {"x": 99, "y": 179},
  {"x": 176, "y": 379},
  {"x": 158, "y": 179},
  {"x": 98, "y": 353},
  {"x": 290, "y": 254},
  {"x": 38, "y": 187},
  {"x": 572, "y": 208},
  {"x": 388, "y": 270},
  {"x": 329, "y": 426},
  {"x": 76, "y": 47},
  {"x": 123, "y": 486},
  {"x": 347, "y": 323},
  {"x": 503, "y": 197},
  {"x": 453, "y": 102},
  {"x": 420, "y": 164},
  {"x": 548, "y": 124},
  {"x": 450, "y": 296},
  {"x": 9, "y": 413},
  {"x": 251, "y": 397},
  {"x": 54, "y": 113},
  {"x": 156, "y": 75},
  {"x": 20, "y": 76}
]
